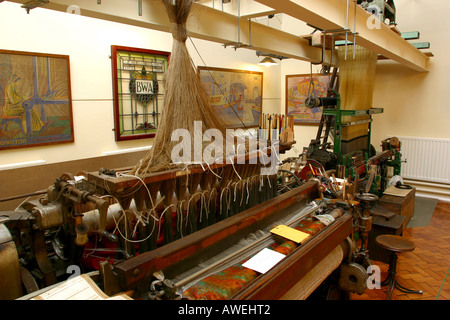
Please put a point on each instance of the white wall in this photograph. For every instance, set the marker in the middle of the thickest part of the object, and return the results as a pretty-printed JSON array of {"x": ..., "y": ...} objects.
[
  {"x": 415, "y": 104},
  {"x": 88, "y": 43}
]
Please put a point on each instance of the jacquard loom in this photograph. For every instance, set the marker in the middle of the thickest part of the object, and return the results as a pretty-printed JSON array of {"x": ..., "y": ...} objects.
[
  {"x": 343, "y": 140},
  {"x": 191, "y": 250}
]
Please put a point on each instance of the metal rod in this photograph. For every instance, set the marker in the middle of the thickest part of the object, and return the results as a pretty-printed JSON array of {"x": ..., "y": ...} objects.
[
  {"x": 346, "y": 34},
  {"x": 140, "y": 7},
  {"x": 250, "y": 31},
  {"x": 354, "y": 33},
  {"x": 239, "y": 21},
  {"x": 333, "y": 46},
  {"x": 37, "y": 193},
  {"x": 347, "y": 13}
]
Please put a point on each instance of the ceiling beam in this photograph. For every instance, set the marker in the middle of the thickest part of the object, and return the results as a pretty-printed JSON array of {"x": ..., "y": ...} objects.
[
  {"x": 203, "y": 23},
  {"x": 259, "y": 14},
  {"x": 332, "y": 14}
]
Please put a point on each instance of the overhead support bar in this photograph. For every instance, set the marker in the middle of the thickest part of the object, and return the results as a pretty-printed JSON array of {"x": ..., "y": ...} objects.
[
  {"x": 373, "y": 35},
  {"x": 259, "y": 14},
  {"x": 203, "y": 23}
]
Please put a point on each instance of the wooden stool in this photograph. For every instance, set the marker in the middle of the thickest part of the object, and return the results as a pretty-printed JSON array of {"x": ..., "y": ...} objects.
[{"x": 395, "y": 244}]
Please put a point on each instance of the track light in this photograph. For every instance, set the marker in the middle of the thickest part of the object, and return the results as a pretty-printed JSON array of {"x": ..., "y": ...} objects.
[{"x": 267, "y": 61}]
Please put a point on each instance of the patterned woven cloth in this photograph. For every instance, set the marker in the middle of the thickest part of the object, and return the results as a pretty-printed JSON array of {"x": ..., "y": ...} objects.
[{"x": 224, "y": 284}]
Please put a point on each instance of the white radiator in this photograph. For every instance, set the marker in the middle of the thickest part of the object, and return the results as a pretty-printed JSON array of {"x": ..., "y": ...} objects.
[{"x": 427, "y": 159}]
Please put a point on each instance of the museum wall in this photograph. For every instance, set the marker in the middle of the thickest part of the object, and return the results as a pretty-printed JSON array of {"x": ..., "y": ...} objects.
[
  {"x": 88, "y": 42},
  {"x": 415, "y": 104}
]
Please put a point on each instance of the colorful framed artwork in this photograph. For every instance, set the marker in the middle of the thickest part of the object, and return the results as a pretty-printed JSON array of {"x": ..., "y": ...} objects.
[
  {"x": 138, "y": 91},
  {"x": 35, "y": 99},
  {"x": 236, "y": 95},
  {"x": 298, "y": 87}
]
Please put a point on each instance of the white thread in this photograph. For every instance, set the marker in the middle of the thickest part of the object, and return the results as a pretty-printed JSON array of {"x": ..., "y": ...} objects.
[{"x": 232, "y": 163}]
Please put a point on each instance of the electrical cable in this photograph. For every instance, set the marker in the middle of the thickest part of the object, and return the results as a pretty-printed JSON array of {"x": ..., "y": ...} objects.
[{"x": 442, "y": 285}]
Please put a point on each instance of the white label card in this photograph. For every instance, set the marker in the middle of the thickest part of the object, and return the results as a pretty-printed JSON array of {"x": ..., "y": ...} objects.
[{"x": 264, "y": 260}]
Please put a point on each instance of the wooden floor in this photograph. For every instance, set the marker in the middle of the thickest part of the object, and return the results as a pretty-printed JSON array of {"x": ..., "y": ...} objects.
[{"x": 426, "y": 267}]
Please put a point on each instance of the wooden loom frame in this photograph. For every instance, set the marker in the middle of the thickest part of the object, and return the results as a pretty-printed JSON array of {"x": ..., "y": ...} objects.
[{"x": 133, "y": 272}]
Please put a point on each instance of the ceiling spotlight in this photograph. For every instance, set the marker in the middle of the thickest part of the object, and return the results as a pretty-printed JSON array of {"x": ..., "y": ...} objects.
[{"x": 268, "y": 61}]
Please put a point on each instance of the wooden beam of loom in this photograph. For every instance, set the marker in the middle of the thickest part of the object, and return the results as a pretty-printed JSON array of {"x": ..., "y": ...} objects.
[
  {"x": 203, "y": 23},
  {"x": 331, "y": 15}
]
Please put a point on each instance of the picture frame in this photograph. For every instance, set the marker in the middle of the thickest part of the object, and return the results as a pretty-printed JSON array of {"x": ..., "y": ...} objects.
[
  {"x": 236, "y": 95},
  {"x": 298, "y": 87},
  {"x": 35, "y": 99},
  {"x": 138, "y": 91}
]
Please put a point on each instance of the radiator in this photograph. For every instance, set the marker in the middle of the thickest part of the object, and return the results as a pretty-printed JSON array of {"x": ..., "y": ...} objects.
[{"x": 427, "y": 159}]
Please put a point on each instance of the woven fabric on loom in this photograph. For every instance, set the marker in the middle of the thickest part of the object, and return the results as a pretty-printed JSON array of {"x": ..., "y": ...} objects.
[
  {"x": 224, "y": 284},
  {"x": 356, "y": 85}
]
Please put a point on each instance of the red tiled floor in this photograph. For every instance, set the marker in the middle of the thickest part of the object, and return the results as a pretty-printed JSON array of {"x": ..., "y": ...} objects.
[{"x": 424, "y": 268}]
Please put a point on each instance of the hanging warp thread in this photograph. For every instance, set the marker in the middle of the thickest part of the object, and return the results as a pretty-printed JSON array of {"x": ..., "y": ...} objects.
[
  {"x": 356, "y": 85},
  {"x": 188, "y": 202},
  {"x": 185, "y": 99}
]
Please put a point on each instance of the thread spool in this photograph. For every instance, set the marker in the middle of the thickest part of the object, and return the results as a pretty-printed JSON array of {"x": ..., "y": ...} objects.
[
  {"x": 82, "y": 234},
  {"x": 394, "y": 142}
]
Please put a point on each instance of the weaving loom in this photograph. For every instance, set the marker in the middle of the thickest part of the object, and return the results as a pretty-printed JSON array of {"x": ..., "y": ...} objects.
[
  {"x": 208, "y": 264},
  {"x": 343, "y": 139},
  {"x": 356, "y": 83},
  {"x": 206, "y": 261},
  {"x": 173, "y": 230}
]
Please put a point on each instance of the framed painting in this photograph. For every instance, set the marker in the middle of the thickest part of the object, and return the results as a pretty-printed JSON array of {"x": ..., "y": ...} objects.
[
  {"x": 298, "y": 87},
  {"x": 236, "y": 95},
  {"x": 35, "y": 99},
  {"x": 138, "y": 91}
]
